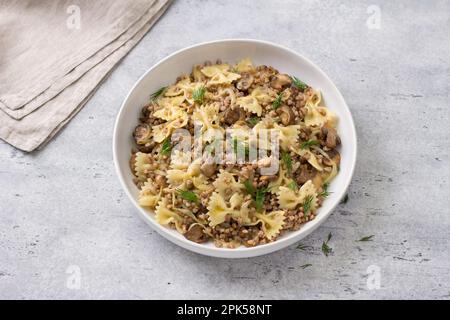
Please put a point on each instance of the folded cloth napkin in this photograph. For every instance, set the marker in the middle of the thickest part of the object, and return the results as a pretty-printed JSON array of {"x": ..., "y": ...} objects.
[{"x": 54, "y": 54}]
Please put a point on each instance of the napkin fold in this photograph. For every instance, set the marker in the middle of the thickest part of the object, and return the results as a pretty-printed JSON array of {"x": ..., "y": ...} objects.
[{"x": 54, "y": 55}]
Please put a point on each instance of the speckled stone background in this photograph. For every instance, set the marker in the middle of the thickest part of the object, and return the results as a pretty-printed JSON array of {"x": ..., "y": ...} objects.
[{"x": 63, "y": 213}]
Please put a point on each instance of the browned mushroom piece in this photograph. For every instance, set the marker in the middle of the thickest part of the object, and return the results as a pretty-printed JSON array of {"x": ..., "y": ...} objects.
[
  {"x": 334, "y": 156},
  {"x": 286, "y": 115},
  {"x": 195, "y": 234},
  {"x": 208, "y": 168},
  {"x": 330, "y": 136},
  {"x": 142, "y": 134},
  {"x": 232, "y": 115},
  {"x": 245, "y": 82},
  {"x": 280, "y": 81},
  {"x": 146, "y": 148},
  {"x": 305, "y": 172}
]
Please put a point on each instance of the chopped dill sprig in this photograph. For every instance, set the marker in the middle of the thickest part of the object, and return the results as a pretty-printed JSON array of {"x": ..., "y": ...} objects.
[
  {"x": 307, "y": 203},
  {"x": 299, "y": 83},
  {"x": 155, "y": 95},
  {"x": 326, "y": 249},
  {"x": 258, "y": 195},
  {"x": 277, "y": 102},
  {"x": 187, "y": 195},
  {"x": 325, "y": 193},
  {"x": 253, "y": 121},
  {"x": 309, "y": 143},
  {"x": 166, "y": 147},
  {"x": 287, "y": 160},
  {"x": 367, "y": 238},
  {"x": 199, "y": 95},
  {"x": 293, "y": 185}
]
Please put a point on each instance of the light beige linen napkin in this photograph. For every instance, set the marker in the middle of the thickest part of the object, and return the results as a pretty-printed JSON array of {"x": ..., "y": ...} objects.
[{"x": 46, "y": 76}]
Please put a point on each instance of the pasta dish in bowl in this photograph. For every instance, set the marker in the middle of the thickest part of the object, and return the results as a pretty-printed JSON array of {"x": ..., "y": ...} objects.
[{"x": 233, "y": 156}]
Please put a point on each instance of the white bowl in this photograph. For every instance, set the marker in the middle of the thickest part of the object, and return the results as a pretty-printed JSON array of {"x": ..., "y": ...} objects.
[{"x": 261, "y": 52}]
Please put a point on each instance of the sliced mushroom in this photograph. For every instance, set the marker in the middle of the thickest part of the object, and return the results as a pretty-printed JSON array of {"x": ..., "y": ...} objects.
[
  {"x": 245, "y": 82},
  {"x": 305, "y": 172},
  {"x": 280, "y": 81},
  {"x": 334, "y": 156},
  {"x": 286, "y": 115},
  {"x": 331, "y": 137},
  {"x": 195, "y": 234},
  {"x": 142, "y": 134},
  {"x": 232, "y": 115},
  {"x": 146, "y": 148},
  {"x": 208, "y": 169}
]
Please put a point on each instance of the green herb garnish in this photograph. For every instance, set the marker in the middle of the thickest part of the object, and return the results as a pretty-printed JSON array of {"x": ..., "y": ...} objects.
[
  {"x": 309, "y": 143},
  {"x": 258, "y": 195},
  {"x": 277, "y": 102},
  {"x": 166, "y": 147},
  {"x": 303, "y": 247},
  {"x": 253, "y": 121},
  {"x": 326, "y": 249},
  {"x": 299, "y": 83},
  {"x": 325, "y": 193},
  {"x": 287, "y": 160},
  {"x": 187, "y": 195},
  {"x": 293, "y": 185},
  {"x": 155, "y": 95},
  {"x": 249, "y": 187},
  {"x": 367, "y": 238},
  {"x": 307, "y": 204},
  {"x": 199, "y": 94}
]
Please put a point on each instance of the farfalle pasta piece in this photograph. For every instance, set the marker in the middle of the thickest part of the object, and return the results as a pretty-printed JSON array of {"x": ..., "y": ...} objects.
[
  {"x": 319, "y": 116},
  {"x": 282, "y": 180},
  {"x": 219, "y": 74},
  {"x": 226, "y": 184},
  {"x": 211, "y": 71},
  {"x": 141, "y": 165},
  {"x": 149, "y": 195},
  {"x": 315, "y": 99},
  {"x": 287, "y": 198},
  {"x": 165, "y": 216},
  {"x": 218, "y": 209},
  {"x": 178, "y": 88},
  {"x": 272, "y": 223},
  {"x": 290, "y": 199},
  {"x": 177, "y": 177},
  {"x": 170, "y": 113},
  {"x": 164, "y": 130},
  {"x": 264, "y": 95},
  {"x": 288, "y": 135},
  {"x": 245, "y": 65},
  {"x": 250, "y": 104},
  {"x": 208, "y": 117}
]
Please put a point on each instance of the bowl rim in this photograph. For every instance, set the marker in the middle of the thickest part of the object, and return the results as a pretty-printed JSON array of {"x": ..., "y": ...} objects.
[{"x": 240, "y": 252}]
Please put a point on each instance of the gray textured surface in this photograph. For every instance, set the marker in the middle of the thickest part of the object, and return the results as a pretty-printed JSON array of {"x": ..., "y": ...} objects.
[{"x": 64, "y": 206}]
